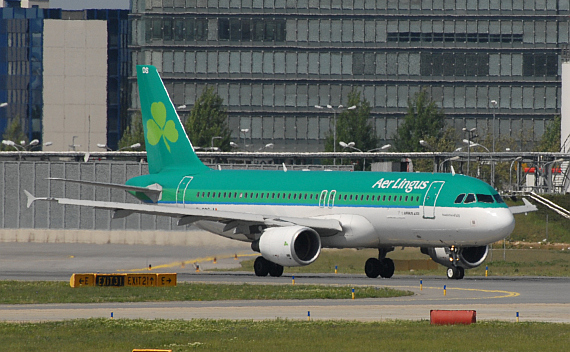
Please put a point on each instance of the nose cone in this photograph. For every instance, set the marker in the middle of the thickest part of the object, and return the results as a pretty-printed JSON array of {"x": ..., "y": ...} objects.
[{"x": 501, "y": 223}]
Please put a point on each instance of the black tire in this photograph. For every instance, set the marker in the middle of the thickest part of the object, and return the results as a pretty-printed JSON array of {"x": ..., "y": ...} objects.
[
  {"x": 455, "y": 273},
  {"x": 275, "y": 270},
  {"x": 372, "y": 268},
  {"x": 388, "y": 268},
  {"x": 261, "y": 266},
  {"x": 461, "y": 273}
]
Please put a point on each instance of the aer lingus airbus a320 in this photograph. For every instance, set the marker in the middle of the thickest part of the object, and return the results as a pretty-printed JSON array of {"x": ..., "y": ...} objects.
[{"x": 288, "y": 216}]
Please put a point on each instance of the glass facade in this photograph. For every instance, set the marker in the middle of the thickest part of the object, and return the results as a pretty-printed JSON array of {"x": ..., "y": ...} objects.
[
  {"x": 272, "y": 61},
  {"x": 21, "y": 66},
  {"x": 21, "y": 57}
]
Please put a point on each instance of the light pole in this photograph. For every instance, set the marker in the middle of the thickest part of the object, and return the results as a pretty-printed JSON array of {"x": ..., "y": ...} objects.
[
  {"x": 212, "y": 142},
  {"x": 470, "y": 135},
  {"x": 338, "y": 108},
  {"x": 132, "y": 146},
  {"x": 494, "y": 105},
  {"x": 510, "y": 172},
  {"x": 244, "y": 131},
  {"x": 428, "y": 146},
  {"x": 351, "y": 145},
  {"x": 453, "y": 158}
]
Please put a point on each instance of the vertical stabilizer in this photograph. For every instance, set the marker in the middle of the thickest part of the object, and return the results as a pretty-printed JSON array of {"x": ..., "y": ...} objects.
[{"x": 167, "y": 145}]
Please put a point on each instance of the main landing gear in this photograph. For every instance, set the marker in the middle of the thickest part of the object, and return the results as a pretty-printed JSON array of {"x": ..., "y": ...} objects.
[
  {"x": 383, "y": 267},
  {"x": 262, "y": 267}
]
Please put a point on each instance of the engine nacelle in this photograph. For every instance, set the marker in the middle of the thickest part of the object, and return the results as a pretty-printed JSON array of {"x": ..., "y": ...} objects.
[
  {"x": 468, "y": 257},
  {"x": 289, "y": 245}
]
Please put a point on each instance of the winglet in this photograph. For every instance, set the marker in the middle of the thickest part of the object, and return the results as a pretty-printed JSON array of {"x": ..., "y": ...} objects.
[{"x": 31, "y": 198}]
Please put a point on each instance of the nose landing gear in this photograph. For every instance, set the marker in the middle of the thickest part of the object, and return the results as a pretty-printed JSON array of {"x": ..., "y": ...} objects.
[{"x": 456, "y": 273}]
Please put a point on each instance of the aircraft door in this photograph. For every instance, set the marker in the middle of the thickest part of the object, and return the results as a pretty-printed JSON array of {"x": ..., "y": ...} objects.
[
  {"x": 323, "y": 199},
  {"x": 332, "y": 195},
  {"x": 181, "y": 190},
  {"x": 430, "y": 199}
]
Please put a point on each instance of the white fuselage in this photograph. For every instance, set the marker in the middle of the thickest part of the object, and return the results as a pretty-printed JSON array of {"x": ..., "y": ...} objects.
[{"x": 388, "y": 226}]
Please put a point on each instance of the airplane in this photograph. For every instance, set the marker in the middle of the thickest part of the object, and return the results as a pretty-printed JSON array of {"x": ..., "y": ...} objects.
[{"x": 289, "y": 216}]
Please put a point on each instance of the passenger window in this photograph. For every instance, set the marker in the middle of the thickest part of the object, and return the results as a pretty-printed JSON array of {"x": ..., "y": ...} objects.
[
  {"x": 198, "y": 195},
  {"x": 470, "y": 198},
  {"x": 485, "y": 198},
  {"x": 367, "y": 197},
  {"x": 459, "y": 198},
  {"x": 498, "y": 198},
  {"x": 383, "y": 198}
]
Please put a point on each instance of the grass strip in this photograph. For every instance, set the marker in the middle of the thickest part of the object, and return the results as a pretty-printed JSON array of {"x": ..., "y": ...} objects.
[
  {"x": 281, "y": 335},
  {"x": 39, "y": 292}
]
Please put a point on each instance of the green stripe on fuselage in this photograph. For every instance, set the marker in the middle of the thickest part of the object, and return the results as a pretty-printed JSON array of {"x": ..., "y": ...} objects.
[{"x": 364, "y": 187}]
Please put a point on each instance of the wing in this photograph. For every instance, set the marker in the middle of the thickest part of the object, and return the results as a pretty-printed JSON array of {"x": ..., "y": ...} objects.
[
  {"x": 527, "y": 207},
  {"x": 324, "y": 227},
  {"x": 153, "y": 192}
]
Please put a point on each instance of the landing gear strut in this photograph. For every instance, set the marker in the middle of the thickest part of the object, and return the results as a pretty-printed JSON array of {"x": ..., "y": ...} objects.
[
  {"x": 455, "y": 272},
  {"x": 383, "y": 267},
  {"x": 262, "y": 267}
]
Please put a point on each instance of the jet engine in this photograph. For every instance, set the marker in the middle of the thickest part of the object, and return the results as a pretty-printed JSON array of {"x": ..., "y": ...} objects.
[
  {"x": 289, "y": 245},
  {"x": 467, "y": 257}
]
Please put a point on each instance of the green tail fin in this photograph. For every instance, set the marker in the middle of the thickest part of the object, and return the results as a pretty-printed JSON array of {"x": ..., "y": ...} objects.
[{"x": 167, "y": 145}]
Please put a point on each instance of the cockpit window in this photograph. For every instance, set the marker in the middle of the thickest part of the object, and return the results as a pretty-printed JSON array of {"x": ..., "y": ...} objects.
[
  {"x": 498, "y": 198},
  {"x": 470, "y": 198},
  {"x": 485, "y": 198},
  {"x": 459, "y": 198}
]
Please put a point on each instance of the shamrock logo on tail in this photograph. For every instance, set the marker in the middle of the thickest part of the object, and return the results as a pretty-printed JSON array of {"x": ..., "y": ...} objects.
[{"x": 158, "y": 127}]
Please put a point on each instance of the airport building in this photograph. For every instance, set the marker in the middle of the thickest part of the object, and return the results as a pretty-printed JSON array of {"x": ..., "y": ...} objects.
[
  {"x": 272, "y": 61},
  {"x": 64, "y": 74}
]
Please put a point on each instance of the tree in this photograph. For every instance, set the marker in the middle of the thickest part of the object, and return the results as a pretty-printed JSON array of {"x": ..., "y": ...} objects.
[
  {"x": 353, "y": 126},
  {"x": 550, "y": 140},
  {"x": 424, "y": 120},
  {"x": 133, "y": 133},
  {"x": 13, "y": 133},
  {"x": 209, "y": 119}
]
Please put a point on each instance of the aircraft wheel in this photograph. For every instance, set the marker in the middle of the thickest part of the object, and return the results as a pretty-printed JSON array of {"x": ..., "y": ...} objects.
[
  {"x": 372, "y": 268},
  {"x": 261, "y": 266},
  {"x": 387, "y": 268},
  {"x": 455, "y": 273},
  {"x": 275, "y": 270},
  {"x": 461, "y": 273}
]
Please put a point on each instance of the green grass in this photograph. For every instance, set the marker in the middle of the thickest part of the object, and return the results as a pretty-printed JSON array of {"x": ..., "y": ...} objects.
[
  {"x": 281, "y": 335},
  {"x": 532, "y": 226},
  {"x": 519, "y": 262},
  {"x": 40, "y": 292}
]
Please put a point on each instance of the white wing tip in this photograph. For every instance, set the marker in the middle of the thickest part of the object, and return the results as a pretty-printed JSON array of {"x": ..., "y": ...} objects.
[{"x": 31, "y": 198}]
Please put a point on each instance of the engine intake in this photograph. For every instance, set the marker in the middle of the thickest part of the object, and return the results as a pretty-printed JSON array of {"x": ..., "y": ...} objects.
[
  {"x": 289, "y": 245},
  {"x": 468, "y": 257}
]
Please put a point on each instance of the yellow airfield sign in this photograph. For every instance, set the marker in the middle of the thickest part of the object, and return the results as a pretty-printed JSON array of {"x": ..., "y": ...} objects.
[{"x": 122, "y": 280}]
